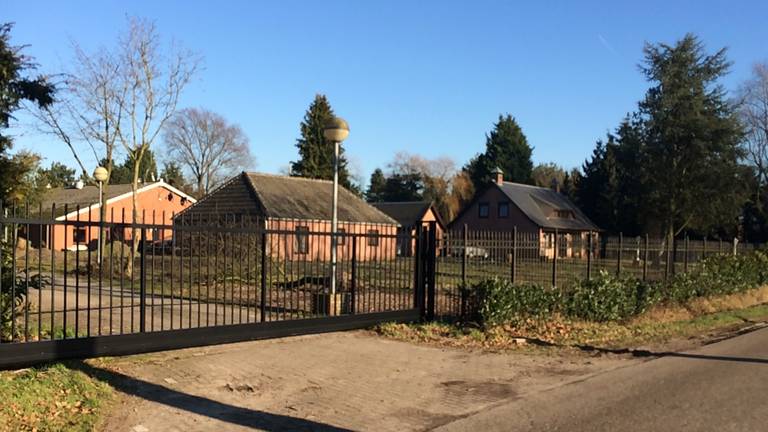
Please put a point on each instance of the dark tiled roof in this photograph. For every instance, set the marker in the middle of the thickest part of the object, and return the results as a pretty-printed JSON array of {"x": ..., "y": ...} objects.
[
  {"x": 407, "y": 213},
  {"x": 538, "y": 203},
  {"x": 72, "y": 197},
  {"x": 286, "y": 198}
]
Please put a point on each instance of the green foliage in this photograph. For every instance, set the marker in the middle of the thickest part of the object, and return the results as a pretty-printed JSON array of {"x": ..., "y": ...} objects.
[
  {"x": 375, "y": 192},
  {"x": 548, "y": 174},
  {"x": 15, "y": 88},
  {"x": 56, "y": 175},
  {"x": 674, "y": 164},
  {"x": 499, "y": 301},
  {"x": 506, "y": 147},
  {"x": 315, "y": 152},
  {"x": 720, "y": 275},
  {"x": 607, "y": 297},
  {"x": 123, "y": 173},
  {"x": 12, "y": 294}
]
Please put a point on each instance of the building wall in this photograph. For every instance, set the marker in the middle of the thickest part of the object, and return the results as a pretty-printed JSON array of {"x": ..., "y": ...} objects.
[
  {"x": 155, "y": 206},
  {"x": 493, "y": 196},
  {"x": 407, "y": 235},
  {"x": 284, "y": 245}
]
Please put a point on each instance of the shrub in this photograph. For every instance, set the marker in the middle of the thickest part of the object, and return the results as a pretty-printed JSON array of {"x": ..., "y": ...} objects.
[
  {"x": 498, "y": 301},
  {"x": 12, "y": 297},
  {"x": 608, "y": 297}
]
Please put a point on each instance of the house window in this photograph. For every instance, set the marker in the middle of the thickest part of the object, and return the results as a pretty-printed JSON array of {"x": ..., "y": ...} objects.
[
  {"x": 503, "y": 209},
  {"x": 483, "y": 209},
  {"x": 565, "y": 214},
  {"x": 302, "y": 240},
  {"x": 341, "y": 237},
  {"x": 373, "y": 238},
  {"x": 78, "y": 235}
]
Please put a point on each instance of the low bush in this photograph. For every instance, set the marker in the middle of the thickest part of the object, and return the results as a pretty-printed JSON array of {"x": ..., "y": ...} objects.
[{"x": 607, "y": 297}]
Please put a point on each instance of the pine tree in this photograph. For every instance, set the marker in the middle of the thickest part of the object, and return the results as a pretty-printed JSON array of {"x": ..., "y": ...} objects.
[
  {"x": 506, "y": 147},
  {"x": 692, "y": 139},
  {"x": 375, "y": 192},
  {"x": 315, "y": 152},
  {"x": 173, "y": 175}
]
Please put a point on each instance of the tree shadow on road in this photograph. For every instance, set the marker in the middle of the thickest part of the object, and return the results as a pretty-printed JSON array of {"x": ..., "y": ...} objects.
[{"x": 199, "y": 405}]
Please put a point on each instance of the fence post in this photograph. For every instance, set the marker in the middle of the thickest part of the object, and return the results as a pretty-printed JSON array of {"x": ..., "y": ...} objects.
[
  {"x": 704, "y": 250},
  {"x": 735, "y": 246},
  {"x": 668, "y": 247},
  {"x": 645, "y": 259},
  {"x": 590, "y": 247},
  {"x": 618, "y": 254},
  {"x": 431, "y": 270},
  {"x": 554, "y": 260},
  {"x": 685, "y": 252},
  {"x": 143, "y": 281},
  {"x": 418, "y": 283},
  {"x": 464, "y": 289},
  {"x": 513, "y": 270},
  {"x": 263, "y": 300},
  {"x": 674, "y": 255},
  {"x": 353, "y": 276}
]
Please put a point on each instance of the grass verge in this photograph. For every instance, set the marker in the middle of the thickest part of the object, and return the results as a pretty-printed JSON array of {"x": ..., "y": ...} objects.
[
  {"x": 561, "y": 332},
  {"x": 53, "y": 397}
]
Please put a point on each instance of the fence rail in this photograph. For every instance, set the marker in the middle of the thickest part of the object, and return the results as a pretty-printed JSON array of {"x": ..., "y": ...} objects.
[
  {"x": 560, "y": 259},
  {"x": 79, "y": 286},
  {"x": 69, "y": 279}
]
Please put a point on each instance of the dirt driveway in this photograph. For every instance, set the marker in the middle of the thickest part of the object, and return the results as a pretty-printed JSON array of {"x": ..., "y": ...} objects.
[{"x": 337, "y": 381}]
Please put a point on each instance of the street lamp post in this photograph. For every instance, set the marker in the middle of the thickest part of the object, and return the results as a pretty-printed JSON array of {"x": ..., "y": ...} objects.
[
  {"x": 336, "y": 131},
  {"x": 100, "y": 174}
]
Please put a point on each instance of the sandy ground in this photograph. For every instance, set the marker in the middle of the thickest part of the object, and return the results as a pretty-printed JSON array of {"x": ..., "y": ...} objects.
[{"x": 337, "y": 381}]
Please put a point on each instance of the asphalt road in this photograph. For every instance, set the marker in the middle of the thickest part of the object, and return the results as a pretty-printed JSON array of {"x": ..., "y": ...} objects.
[{"x": 719, "y": 387}]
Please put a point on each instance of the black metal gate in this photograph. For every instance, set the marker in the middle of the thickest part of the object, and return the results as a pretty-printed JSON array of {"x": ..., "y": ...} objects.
[{"x": 150, "y": 286}]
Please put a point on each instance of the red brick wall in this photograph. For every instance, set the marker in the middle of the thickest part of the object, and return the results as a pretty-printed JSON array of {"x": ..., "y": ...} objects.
[{"x": 155, "y": 206}]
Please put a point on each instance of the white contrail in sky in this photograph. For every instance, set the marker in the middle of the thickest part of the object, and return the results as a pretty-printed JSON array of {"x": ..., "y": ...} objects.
[{"x": 606, "y": 44}]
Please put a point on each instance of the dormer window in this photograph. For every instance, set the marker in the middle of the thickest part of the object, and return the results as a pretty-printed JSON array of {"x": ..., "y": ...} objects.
[{"x": 564, "y": 214}]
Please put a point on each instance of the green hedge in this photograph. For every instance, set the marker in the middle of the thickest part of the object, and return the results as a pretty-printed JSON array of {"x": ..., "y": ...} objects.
[{"x": 607, "y": 297}]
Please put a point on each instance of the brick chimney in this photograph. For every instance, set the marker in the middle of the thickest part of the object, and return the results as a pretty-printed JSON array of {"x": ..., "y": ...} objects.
[{"x": 498, "y": 176}]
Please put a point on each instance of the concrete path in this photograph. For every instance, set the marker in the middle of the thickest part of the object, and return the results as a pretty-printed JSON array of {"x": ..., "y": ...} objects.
[
  {"x": 336, "y": 381},
  {"x": 719, "y": 387}
]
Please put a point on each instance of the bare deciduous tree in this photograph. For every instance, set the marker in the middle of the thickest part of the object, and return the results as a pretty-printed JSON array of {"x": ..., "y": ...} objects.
[
  {"x": 753, "y": 110},
  {"x": 208, "y": 147},
  {"x": 151, "y": 80}
]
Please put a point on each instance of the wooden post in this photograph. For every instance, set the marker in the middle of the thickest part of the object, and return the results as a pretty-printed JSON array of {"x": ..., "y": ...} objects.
[
  {"x": 513, "y": 269},
  {"x": 590, "y": 248},
  {"x": 645, "y": 259},
  {"x": 554, "y": 260},
  {"x": 685, "y": 252},
  {"x": 618, "y": 254}
]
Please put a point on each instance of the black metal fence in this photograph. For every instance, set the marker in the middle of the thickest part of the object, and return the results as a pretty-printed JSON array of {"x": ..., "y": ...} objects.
[
  {"x": 560, "y": 259},
  {"x": 72, "y": 286},
  {"x": 148, "y": 286}
]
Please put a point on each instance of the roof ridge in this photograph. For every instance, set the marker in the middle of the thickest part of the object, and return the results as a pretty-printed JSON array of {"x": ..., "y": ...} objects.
[{"x": 287, "y": 177}]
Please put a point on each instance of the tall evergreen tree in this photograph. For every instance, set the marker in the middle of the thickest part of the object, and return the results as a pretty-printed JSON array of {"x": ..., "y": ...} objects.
[
  {"x": 375, "y": 192},
  {"x": 123, "y": 173},
  {"x": 173, "y": 175},
  {"x": 315, "y": 152},
  {"x": 692, "y": 139},
  {"x": 506, "y": 147},
  {"x": 15, "y": 87},
  {"x": 57, "y": 175}
]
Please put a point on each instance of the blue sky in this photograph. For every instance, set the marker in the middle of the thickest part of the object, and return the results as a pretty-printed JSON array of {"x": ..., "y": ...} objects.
[{"x": 427, "y": 77}]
